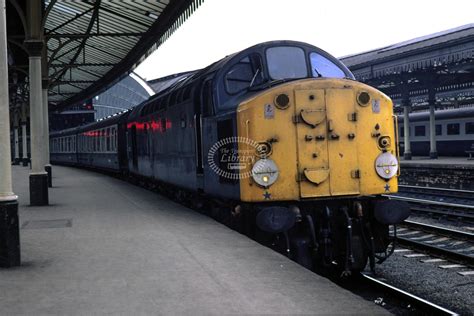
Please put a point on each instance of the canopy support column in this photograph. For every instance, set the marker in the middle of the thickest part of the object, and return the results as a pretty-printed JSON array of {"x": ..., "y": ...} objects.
[
  {"x": 47, "y": 166},
  {"x": 406, "y": 131},
  {"x": 16, "y": 158},
  {"x": 9, "y": 224},
  {"x": 34, "y": 45},
  {"x": 24, "y": 143},
  {"x": 432, "y": 103}
]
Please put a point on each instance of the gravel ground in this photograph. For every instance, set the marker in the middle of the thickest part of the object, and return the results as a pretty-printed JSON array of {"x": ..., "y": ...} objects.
[
  {"x": 443, "y": 223},
  {"x": 444, "y": 287}
]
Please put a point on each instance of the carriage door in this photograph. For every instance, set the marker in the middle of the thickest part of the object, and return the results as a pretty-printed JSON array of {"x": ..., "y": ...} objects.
[
  {"x": 312, "y": 143},
  {"x": 342, "y": 141}
]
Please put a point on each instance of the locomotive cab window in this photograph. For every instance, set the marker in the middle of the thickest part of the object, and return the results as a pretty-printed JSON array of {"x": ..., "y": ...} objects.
[
  {"x": 286, "y": 62},
  {"x": 323, "y": 67},
  {"x": 246, "y": 73}
]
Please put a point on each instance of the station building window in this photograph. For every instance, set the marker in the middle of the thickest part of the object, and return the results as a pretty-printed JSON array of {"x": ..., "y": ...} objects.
[
  {"x": 469, "y": 128},
  {"x": 420, "y": 130},
  {"x": 452, "y": 129}
]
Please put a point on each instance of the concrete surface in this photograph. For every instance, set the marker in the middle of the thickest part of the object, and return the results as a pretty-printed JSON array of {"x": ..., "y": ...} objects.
[
  {"x": 114, "y": 248},
  {"x": 450, "y": 161}
]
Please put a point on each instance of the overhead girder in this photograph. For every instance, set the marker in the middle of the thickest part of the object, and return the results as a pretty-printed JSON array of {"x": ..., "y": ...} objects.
[{"x": 91, "y": 44}]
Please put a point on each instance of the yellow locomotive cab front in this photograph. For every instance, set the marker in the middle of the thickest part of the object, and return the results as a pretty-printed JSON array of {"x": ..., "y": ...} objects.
[{"x": 327, "y": 138}]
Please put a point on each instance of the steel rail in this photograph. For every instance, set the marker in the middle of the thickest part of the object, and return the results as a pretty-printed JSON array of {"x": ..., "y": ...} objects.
[
  {"x": 424, "y": 305},
  {"x": 434, "y": 189},
  {"x": 440, "y": 230},
  {"x": 401, "y": 198}
]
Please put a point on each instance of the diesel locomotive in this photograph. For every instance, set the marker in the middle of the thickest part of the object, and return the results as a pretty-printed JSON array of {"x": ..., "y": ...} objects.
[{"x": 278, "y": 141}]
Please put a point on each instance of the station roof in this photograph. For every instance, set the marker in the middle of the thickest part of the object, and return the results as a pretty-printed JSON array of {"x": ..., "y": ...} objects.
[
  {"x": 93, "y": 44},
  {"x": 413, "y": 46}
]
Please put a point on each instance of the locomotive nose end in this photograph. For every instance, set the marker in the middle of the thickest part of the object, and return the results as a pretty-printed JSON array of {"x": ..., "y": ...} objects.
[{"x": 391, "y": 212}]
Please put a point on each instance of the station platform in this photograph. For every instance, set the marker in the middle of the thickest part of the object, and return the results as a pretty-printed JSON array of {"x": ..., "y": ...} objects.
[
  {"x": 104, "y": 246},
  {"x": 441, "y": 161}
]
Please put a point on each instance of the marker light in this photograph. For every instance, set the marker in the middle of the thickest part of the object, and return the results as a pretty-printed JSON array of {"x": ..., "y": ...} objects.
[
  {"x": 386, "y": 165},
  {"x": 265, "y": 172}
]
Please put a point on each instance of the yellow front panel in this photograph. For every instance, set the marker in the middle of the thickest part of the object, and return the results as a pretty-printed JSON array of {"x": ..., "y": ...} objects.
[
  {"x": 325, "y": 142},
  {"x": 310, "y": 113},
  {"x": 252, "y": 123},
  {"x": 368, "y": 119},
  {"x": 342, "y": 142}
]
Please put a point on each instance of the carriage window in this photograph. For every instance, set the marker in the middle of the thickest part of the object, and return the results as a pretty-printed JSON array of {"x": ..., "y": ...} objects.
[
  {"x": 453, "y": 129},
  {"x": 107, "y": 137},
  {"x": 286, "y": 62},
  {"x": 323, "y": 67},
  {"x": 439, "y": 129},
  {"x": 114, "y": 139},
  {"x": 469, "y": 128},
  {"x": 420, "y": 131},
  {"x": 103, "y": 145},
  {"x": 247, "y": 72}
]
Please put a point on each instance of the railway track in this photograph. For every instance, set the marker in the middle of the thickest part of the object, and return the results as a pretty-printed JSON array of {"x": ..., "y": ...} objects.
[
  {"x": 417, "y": 304},
  {"x": 453, "y": 245},
  {"x": 441, "y": 193},
  {"x": 438, "y": 202}
]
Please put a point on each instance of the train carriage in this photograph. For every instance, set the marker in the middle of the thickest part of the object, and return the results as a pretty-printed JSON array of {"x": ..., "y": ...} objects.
[
  {"x": 62, "y": 147},
  {"x": 454, "y": 131}
]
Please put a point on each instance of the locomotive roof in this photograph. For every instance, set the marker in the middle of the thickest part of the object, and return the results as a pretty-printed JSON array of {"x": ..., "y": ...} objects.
[{"x": 219, "y": 67}]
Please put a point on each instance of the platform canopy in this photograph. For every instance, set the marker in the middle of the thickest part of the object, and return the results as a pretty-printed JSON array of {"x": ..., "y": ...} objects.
[
  {"x": 436, "y": 68},
  {"x": 90, "y": 45}
]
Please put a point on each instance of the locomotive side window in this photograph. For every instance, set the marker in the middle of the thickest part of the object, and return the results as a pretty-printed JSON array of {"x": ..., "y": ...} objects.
[
  {"x": 286, "y": 63},
  {"x": 323, "y": 67},
  {"x": 207, "y": 105},
  {"x": 453, "y": 129},
  {"x": 469, "y": 128},
  {"x": 247, "y": 72},
  {"x": 187, "y": 93},
  {"x": 439, "y": 129}
]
